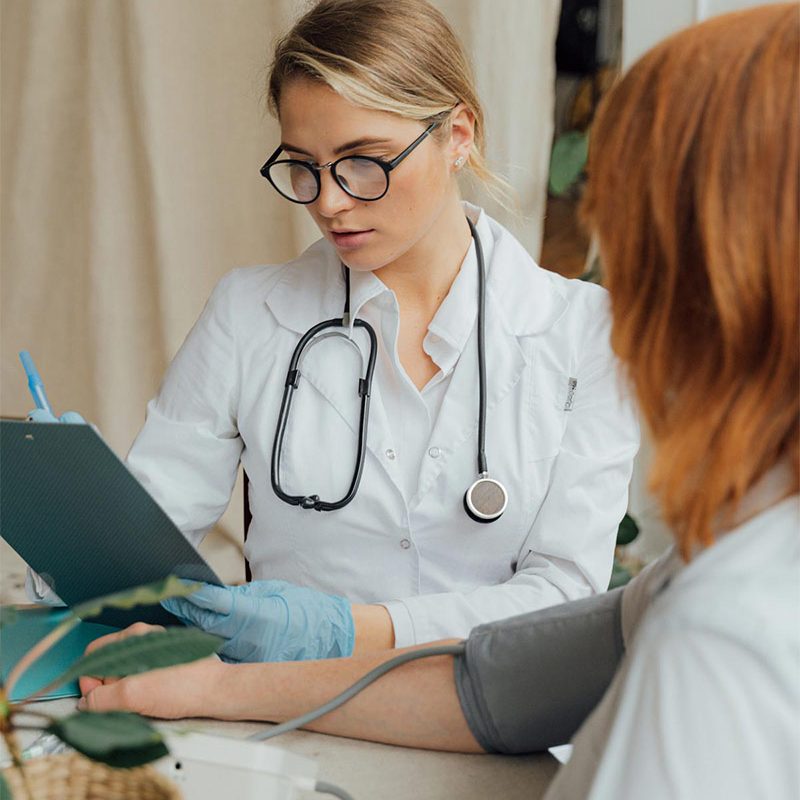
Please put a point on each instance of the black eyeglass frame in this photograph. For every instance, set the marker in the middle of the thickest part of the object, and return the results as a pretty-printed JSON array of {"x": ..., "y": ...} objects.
[{"x": 386, "y": 166}]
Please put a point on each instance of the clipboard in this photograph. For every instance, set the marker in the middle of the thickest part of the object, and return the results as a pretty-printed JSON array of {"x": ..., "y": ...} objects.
[
  {"x": 29, "y": 627},
  {"x": 75, "y": 513}
]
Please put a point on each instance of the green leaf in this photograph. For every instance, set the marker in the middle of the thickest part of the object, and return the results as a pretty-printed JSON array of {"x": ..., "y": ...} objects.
[
  {"x": 619, "y": 576},
  {"x": 8, "y": 615},
  {"x": 146, "y": 595},
  {"x": 570, "y": 151},
  {"x": 5, "y": 792},
  {"x": 628, "y": 530},
  {"x": 594, "y": 274},
  {"x": 142, "y": 653},
  {"x": 116, "y": 738}
]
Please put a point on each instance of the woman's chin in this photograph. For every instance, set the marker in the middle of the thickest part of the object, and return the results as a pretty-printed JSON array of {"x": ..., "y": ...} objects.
[{"x": 362, "y": 260}]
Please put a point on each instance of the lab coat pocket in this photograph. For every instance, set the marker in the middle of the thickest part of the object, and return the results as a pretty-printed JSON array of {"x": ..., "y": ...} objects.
[{"x": 551, "y": 394}]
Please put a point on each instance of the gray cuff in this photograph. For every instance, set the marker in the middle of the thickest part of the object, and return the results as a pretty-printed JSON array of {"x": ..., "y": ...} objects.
[{"x": 528, "y": 683}]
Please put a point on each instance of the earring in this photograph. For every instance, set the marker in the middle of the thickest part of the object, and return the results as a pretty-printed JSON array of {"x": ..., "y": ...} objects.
[{"x": 458, "y": 162}]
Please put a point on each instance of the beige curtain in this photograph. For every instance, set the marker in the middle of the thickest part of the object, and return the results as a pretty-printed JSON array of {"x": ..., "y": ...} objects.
[{"x": 132, "y": 133}]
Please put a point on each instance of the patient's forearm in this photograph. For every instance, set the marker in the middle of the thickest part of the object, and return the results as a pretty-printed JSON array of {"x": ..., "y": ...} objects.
[
  {"x": 521, "y": 686},
  {"x": 415, "y": 705}
]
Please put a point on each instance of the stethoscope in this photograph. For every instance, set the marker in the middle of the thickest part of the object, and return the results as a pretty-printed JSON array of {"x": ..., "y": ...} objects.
[{"x": 484, "y": 501}]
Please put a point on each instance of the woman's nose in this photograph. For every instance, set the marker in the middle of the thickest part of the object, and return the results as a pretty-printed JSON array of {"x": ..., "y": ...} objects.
[{"x": 332, "y": 198}]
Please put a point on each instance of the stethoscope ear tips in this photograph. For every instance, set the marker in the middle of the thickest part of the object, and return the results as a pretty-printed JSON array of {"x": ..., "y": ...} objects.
[{"x": 486, "y": 500}]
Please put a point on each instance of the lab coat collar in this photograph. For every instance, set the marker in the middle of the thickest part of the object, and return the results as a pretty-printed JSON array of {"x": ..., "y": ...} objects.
[
  {"x": 298, "y": 303},
  {"x": 512, "y": 274},
  {"x": 454, "y": 320},
  {"x": 309, "y": 290}
]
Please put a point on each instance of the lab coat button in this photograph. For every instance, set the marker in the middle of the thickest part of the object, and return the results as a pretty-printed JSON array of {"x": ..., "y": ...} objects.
[
  {"x": 434, "y": 452},
  {"x": 390, "y": 454},
  {"x": 405, "y": 544}
]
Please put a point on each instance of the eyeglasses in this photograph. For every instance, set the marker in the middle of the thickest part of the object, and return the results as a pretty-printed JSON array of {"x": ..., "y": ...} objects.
[{"x": 362, "y": 177}]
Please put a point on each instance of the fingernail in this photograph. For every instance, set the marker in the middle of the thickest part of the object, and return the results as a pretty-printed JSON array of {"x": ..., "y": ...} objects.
[{"x": 82, "y": 704}]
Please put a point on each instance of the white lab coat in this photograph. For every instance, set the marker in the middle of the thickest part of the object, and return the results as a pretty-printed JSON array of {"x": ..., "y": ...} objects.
[
  {"x": 566, "y": 461},
  {"x": 706, "y": 703}
]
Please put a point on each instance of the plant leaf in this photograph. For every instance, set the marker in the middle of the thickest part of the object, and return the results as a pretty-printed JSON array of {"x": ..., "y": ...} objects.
[
  {"x": 5, "y": 792},
  {"x": 628, "y": 530},
  {"x": 619, "y": 576},
  {"x": 570, "y": 151},
  {"x": 116, "y": 738},
  {"x": 142, "y": 653},
  {"x": 147, "y": 595}
]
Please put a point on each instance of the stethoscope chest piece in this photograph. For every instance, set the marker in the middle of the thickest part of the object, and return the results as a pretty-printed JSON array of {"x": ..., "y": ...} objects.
[{"x": 486, "y": 499}]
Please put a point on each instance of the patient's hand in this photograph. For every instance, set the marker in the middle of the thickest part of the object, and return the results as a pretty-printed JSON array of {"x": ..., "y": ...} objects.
[{"x": 171, "y": 693}]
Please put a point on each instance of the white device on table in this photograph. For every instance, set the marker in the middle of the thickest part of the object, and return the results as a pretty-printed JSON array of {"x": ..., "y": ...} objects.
[{"x": 207, "y": 767}]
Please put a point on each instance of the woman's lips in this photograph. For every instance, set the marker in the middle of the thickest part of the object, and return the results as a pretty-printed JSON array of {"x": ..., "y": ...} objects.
[{"x": 351, "y": 239}]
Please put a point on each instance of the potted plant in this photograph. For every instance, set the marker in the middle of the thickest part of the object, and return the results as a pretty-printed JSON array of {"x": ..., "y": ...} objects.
[{"x": 112, "y": 748}]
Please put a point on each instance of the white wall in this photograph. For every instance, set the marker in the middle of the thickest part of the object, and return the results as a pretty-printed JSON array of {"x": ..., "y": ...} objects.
[{"x": 646, "y": 22}]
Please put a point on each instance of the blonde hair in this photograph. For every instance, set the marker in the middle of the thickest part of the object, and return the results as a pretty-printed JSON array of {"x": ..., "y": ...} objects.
[
  {"x": 694, "y": 179},
  {"x": 401, "y": 57}
]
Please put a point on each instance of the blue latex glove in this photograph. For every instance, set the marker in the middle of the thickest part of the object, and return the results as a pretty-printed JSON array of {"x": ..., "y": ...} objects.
[
  {"x": 270, "y": 620},
  {"x": 70, "y": 417}
]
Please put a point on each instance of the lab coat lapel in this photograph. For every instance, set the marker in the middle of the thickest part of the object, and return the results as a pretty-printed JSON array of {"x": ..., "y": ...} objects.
[
  {"x": 511, "y": 274},
  {"x": 458, "y": 416},
  {"x": 310, "y": 290},
  {"x": 298, "y": 304}
]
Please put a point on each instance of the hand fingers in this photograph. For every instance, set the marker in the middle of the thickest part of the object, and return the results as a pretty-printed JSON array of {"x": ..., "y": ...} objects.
[
  {"x": 212, "y": 598},
  {"x": 137, "y": 629},
  {"x": 72, "y": 418},
  {"x": 195, "y": 608},
  {"x": 89, "y": 683},
  {"x": 119, "y": 694},
  {"x": 174, "y": 692},
  {"x": 264, "y": 588},
  {"x": 41, "y": 415},
  {"x": 68, "y": 417}
]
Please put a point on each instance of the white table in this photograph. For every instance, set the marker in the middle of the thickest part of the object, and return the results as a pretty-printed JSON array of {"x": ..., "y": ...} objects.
[{"x": 370, "y": 771}]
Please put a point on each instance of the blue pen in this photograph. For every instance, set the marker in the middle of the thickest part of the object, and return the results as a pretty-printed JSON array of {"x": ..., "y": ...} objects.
[{"x": 35, "y": 382}]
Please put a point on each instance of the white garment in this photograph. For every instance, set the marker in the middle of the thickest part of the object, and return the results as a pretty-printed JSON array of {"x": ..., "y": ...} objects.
[
  {"x": 706, "y": 703},
  {"x": 411, "y": 413},
  {"x": 405, "y": 540}
]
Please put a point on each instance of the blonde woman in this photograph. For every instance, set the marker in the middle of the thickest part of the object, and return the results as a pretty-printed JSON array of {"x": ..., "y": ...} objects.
[
  {"x": 484, "y": 471},
  {"x": 686, "y": 682}
]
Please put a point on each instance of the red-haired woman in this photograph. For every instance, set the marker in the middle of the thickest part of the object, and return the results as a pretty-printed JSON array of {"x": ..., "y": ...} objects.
[{"x": 685, "y": 684}]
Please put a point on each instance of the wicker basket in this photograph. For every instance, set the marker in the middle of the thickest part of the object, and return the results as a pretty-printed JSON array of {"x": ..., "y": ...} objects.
[{"x": 70, "y": 776}]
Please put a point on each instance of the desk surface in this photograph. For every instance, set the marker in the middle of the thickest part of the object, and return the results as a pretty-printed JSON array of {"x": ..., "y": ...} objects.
[{"x": 370, "y": 771}]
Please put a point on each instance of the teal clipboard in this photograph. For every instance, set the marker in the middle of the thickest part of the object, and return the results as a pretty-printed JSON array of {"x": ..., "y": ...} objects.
[
  {"x": 30, "y": 625},
  {"x": 75, "y": 513}
]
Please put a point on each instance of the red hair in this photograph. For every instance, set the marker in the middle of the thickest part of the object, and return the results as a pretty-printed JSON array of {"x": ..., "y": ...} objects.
[{"x": 694, "y": 185}]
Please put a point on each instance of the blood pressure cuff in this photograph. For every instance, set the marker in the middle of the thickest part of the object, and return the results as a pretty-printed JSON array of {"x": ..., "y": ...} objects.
[{"x": 527, "y": 683}]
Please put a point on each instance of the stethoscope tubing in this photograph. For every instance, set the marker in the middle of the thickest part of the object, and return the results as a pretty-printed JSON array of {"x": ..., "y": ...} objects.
[
  {"x": 291, "y": 384},
  {"x": 482, "y": 470},
  {"x": 475, "y": 499}
]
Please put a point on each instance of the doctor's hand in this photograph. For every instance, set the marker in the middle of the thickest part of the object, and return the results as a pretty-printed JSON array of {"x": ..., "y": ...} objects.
[
  {"x": 270, "y": 621},
  {"x": 69, "y": 417}
]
